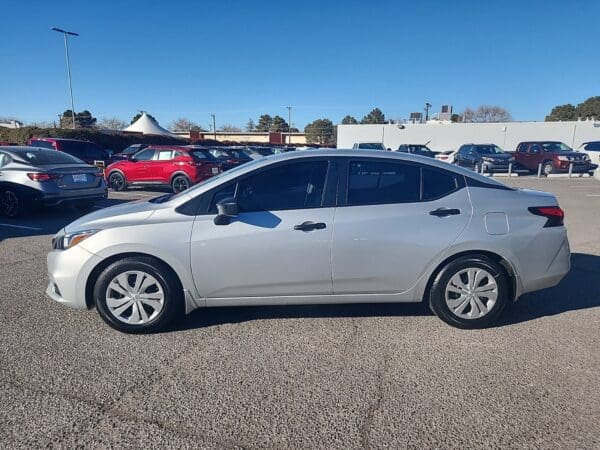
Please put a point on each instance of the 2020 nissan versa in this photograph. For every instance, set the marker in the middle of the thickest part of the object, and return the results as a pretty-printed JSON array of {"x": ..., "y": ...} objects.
[{"x": 315, "y": 227}]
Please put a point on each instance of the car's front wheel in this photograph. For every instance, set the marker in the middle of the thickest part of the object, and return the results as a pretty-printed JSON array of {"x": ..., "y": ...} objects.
[
  {"x": 470, "y": 292},
  {"x": 138, "y": 295},
  {"x": 547, "y": 168}
]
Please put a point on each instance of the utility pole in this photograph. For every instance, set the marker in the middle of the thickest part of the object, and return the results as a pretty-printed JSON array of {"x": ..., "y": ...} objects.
[
  {"x": 289, "y": 108},
  {"x": 214, "y": 126},
  {"x": 65, "y": 34},
  {"x": 427, "y": 106}
]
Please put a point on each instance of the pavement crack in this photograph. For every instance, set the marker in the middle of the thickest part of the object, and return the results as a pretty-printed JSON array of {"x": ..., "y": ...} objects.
[{"x": 367, "y": 423}]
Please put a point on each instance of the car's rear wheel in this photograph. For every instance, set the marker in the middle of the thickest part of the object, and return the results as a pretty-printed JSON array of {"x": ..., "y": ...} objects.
[
  {"x": 138, "y": 295},
  {"x": 547, "y": 168},
  {"x": 470, "y": 292},
  {"x": 117, "y": 181},
  {"x": 180, "y": 183},
  {"x": 11, "y": 203}
]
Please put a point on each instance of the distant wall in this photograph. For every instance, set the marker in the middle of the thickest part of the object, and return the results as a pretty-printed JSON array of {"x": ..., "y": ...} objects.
[{"x": 450, "y": 136}]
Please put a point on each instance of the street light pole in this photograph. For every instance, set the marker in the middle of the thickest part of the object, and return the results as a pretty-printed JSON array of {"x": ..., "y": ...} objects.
[
  {"x": 214, "y": 126},
  {"x": 289, "y": 108},
  {"x": 65, "y": 33}
]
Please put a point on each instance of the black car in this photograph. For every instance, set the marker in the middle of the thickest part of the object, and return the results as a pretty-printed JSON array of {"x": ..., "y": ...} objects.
[
  {"x": 130, "y": 151},
  {"x": 488, "y": 157},
  {"x": 416, "y": 149},
  {"x": 229, "y": 157}
]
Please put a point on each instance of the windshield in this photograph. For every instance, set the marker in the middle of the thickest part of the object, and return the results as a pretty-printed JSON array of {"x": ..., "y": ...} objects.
[
  {"x": 47, "y": 157},
  {"x": 488, "y": 150},
  {"x": 556, "y": 147}
]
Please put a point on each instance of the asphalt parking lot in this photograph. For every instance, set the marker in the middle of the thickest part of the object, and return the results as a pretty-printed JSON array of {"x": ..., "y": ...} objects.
[{"x": 349, "y": 376}]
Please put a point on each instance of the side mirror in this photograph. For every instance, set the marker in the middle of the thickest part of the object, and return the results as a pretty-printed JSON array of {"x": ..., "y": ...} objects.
[{"x": 226, "y": 209}]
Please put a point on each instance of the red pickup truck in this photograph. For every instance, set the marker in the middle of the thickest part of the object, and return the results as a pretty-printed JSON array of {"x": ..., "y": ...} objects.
[{"x": 554, "y": 156}]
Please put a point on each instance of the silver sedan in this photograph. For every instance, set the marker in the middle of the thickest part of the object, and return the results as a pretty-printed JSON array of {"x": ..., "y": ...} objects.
[{"x": 315, "y": 227}]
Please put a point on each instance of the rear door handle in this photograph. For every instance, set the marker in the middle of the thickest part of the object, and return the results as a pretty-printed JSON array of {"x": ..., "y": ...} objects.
[
  {"x": 443, "y": 212},
  {"x": 309, "y": 226}
]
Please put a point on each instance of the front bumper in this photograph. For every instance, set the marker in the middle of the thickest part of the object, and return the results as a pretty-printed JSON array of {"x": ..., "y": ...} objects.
[
  {"x": 496, "y": 166},
  {"x": 68, "y": 271},
  {"x": 578, "y": 167}
]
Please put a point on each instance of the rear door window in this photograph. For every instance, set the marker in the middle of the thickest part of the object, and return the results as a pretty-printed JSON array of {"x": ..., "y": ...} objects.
[
  {"x": 374, "y": 182},
  {"x": 164, "y": 155}
]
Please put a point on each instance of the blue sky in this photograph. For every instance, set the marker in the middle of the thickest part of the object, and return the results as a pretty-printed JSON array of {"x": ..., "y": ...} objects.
[{"x": 240, "y": 59}]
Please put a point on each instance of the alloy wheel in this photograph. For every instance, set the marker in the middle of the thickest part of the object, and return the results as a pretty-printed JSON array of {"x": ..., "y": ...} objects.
[
  {"x": 471, "y": 293},
  {"x": 10, "y": 204},
  {"x": 135, "y": 297},
  {"x": 180, "y": 184},
  {"x": 117, "y": 182}
]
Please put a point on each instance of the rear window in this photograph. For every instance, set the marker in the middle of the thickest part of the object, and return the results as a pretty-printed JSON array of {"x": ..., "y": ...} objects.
[
  {"x": 47, "y": 158},
  {"x": 42, "y": 144},
  {"x": 202, "y": 154},
  {"x": 593, "y": 147}
]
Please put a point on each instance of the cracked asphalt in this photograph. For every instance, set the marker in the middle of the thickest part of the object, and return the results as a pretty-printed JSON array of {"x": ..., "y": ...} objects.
[{"x": 349, "y": 376}]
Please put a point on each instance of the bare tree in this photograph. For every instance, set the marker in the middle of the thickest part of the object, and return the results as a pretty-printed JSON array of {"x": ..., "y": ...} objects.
[
  {"x": 184, "y": 124},
  {"x": 112, "y": 123},
  {"x": 486, "y": 113},
  {"x": 230, "y": 128}
]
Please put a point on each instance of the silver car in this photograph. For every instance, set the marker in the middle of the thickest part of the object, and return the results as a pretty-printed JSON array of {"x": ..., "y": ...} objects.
[
  {"x": 31, "y": 176},
  {"x": 315, "y": 227}
]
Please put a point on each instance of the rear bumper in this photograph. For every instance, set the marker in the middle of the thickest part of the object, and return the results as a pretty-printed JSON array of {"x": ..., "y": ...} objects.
[
  {"x": 50, "y": 199},
  {"x": 558, "y": 268}
]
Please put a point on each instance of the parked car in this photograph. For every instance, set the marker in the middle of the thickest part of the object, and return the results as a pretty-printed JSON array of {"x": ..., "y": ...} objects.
[
  {"x": 86, "y": 151},
  {"x": 368, "y": 146},
  {"x": 31, "y": 177},
  {"x": 465, "y": 244},
  {"x": 258, "y": 152},
  {"x": 129, "y": 151},
  {"x": 446, "y": 156},
  {"x": 178, "y": 167},
  {"x": 229, "y": 158},
  {"x": 490, "y": 157},
  {"x": 592, "y": 149},
  {"x": 554, "y": 156},
  {"x": 416, "y": 149}
]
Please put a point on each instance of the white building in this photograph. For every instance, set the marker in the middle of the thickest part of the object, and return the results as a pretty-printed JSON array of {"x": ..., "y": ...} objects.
[
  {"x": 445, "y": 135},
  {"x": 11, "y": 124}
]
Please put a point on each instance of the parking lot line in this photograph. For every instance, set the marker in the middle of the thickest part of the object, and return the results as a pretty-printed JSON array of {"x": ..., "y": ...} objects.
[{"x": 20, "y": 226}]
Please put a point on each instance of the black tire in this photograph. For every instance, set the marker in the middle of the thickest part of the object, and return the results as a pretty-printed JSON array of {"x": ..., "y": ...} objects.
[
  {"x": 437, "y": 293},
  {"x": 547, "y": 168},
  {"x": 12, "y": 203},
  {"x": 117, "y": 181},
  {"x": 180, "y": 183},
  {"x": 172, "y": 307}
]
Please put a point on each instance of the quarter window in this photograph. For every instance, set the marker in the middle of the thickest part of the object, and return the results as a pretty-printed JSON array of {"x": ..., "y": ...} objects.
[
  {"x": 292, "y": 186},
  {"x": 437, "y": 184},
  {"x": 164, "y": 155},
  {"x": 371, "y": 183}
]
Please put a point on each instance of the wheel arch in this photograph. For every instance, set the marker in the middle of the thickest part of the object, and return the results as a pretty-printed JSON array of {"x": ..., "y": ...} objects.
[
  {"x": 179, "y": 173},
  {"x": 97, "y": 270},
  {"x": 508, "y": 268}
]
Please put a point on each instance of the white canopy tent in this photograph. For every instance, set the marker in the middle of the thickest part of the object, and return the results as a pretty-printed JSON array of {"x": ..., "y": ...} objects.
[{"x": 147, "y": 125}]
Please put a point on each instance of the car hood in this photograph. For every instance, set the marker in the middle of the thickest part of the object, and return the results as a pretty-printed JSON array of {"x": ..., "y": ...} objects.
[{"x": 115, "y": 216}]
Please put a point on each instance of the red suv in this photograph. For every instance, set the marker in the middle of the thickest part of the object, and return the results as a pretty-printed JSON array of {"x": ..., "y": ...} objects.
[
  {"x": 178, "y": 167},
  {"x": 85, "y": 150},
  {"x": 554, "y": 156}
]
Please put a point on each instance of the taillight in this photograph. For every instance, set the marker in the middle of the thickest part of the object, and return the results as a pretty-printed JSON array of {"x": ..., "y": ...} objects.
[
  {"x": 554, "y": 214},
  {"x": 40, "y": 176}
]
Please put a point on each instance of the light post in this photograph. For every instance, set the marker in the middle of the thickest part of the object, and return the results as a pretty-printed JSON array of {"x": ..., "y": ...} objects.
[
  {"x": 289, "y": 108},
  {"x": 214, "y": 126},
  {"x": 65, "y": 33}
]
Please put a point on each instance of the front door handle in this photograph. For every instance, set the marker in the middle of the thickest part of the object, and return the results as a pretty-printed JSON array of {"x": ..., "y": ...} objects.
[
  {"x": 443, "y": 212},
  {"x": 309, "y": 226}
]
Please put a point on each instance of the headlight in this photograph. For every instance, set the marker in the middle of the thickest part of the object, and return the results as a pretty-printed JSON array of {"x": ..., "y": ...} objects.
[
  {"x": 564, "y": 158},
  {"x": 488, "y": 159},
  {"x": 585, "y": 157},
  {"x": 511, "y": 160},
  {"x": 69, "y": 240}
]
